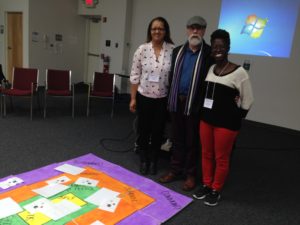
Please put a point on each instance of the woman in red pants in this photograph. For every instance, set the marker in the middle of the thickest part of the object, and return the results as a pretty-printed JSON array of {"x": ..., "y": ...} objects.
[{"x": 227, "y": 100}]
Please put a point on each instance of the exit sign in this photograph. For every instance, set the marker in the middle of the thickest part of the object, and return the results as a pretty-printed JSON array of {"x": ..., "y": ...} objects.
[{"x": 90, "y": 3}]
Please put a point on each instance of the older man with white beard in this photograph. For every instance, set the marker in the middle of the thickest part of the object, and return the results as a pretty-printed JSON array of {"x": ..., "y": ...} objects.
[{"x": 190, "y": 64}]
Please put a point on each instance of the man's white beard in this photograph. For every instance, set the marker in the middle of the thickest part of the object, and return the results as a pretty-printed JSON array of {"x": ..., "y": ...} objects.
[{"x": 195, "y": 40}]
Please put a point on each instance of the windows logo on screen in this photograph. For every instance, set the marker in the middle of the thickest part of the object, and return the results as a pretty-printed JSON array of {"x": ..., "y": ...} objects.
[{"x": 254, "y": 26}]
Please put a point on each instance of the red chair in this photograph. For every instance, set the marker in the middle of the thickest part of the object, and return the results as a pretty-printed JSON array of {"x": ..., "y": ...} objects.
[
  {"x": 103, "y": 86},
  {"x": 24, "y": 84},
  {"x": 59, "y": 84}
]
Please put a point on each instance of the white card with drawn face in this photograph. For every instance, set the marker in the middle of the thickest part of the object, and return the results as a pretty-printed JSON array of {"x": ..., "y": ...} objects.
[
  {"x": 37, "y": 206},
  {"x": 14, "y": 181},
  {"x": 4, "y": 184},
  {"x": 110, "y": 205},
  {"x": 59, "y": 180},
  {"x": 10, "y": 182},
  {"x": 51, "y": 210},
  {"x": 86, "y": 182},
  {"x": 101, "y": 195}
]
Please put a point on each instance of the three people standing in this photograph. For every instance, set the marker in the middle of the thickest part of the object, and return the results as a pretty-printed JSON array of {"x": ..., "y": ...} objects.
[{"x": 216, "y": 96}]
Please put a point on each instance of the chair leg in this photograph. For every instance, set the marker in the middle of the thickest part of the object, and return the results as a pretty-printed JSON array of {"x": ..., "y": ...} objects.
[
  {"x": 45, "y": 104},
  {"x": 88, "y": 101},
  {"x": 31, "y": 106},
  {"x": 38, "y": 102},
  {"x": 88, "y": 107},
  {"x": 4, "y": 105},
  {"x": 1, "y": 102},
  {"x": 112, "y": 108},
  {"x": 73, "y": 101},
  {"x": 11, "y": 103},
  {"x": 2, "y": 110}
]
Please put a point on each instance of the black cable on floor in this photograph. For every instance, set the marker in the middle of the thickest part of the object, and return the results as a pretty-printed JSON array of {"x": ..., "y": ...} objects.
[{"x": 119, "y": 140}]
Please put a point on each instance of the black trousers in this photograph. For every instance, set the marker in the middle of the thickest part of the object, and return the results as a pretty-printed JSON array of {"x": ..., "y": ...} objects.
[
  {"x": 150, "y": 126},
  {"x": 185, "y": 141}
]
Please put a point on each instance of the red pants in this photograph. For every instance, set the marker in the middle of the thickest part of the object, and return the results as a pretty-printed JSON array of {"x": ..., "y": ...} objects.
[{"x": 216, "y": 144}]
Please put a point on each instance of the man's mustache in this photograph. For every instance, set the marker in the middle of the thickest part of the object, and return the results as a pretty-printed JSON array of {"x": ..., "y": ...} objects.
[{"x": 195, "y": 36}]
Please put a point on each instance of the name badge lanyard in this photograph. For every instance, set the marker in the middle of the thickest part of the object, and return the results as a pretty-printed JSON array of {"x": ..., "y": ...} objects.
[
  {"x": 154, "y": 77},
  {"x": 208, "y": 102}
]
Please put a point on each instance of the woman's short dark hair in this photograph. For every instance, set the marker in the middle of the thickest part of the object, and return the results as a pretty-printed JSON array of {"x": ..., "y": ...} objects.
[
  {"x": 167, "y": 37},
  {"x": 221, "y": 34}
]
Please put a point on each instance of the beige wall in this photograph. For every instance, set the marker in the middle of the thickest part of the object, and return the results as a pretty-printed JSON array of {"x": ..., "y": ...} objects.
[
  {"x": 275, "y": 81},
  {"x": 51, "y": 18},
  {"x": 117, "y": 30}
]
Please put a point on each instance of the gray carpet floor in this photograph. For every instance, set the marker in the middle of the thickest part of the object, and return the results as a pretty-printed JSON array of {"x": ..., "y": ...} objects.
[{"x": 262, "y": 187}]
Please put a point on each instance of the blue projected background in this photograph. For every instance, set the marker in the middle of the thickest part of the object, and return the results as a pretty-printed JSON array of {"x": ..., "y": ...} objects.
[{"x": 260, "y": 27}]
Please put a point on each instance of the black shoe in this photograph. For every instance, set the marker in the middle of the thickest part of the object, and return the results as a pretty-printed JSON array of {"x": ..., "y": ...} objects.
[
  {"x": 136, "y": 148},
  {"x": 144, "y": 168},
  {"x": 212, "y": 199},
  {"x": 202, "y": 192},
  {"x": 169, "y": 177},
  {"x": 153, "y": 168}
]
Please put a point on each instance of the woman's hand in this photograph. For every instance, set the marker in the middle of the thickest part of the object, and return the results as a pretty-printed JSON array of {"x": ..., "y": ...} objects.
[
  {"x": 132, "y": 105},
  {"x": 237, "y": 100}
]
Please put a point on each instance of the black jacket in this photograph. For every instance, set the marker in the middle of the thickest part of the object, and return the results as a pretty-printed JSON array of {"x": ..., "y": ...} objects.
[{"x": 206, "y": 63}]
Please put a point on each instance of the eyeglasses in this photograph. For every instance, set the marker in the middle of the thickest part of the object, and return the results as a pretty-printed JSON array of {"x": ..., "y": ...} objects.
[{"x": 157, "y": 29}]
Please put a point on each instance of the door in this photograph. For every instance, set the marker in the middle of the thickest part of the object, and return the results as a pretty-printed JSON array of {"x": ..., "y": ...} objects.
[
  {"x": 14, "y": 42},
  {"x": 93, "y": 52}
]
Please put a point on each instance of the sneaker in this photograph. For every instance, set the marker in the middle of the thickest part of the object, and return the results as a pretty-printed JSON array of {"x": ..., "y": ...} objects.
[
  {"x": 166, "y": 146},
  {"x": 212, "y": 198},
  {"x": 202, "y": 192}
]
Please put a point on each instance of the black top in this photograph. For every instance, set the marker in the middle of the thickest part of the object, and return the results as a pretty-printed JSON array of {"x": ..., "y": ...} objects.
[
  {"x": 226, "y": 112},
  {"x": 2, "y": 77}
]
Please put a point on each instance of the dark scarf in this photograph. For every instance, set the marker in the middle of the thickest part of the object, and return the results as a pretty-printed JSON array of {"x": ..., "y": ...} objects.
[{"x": 172, "y": 102}]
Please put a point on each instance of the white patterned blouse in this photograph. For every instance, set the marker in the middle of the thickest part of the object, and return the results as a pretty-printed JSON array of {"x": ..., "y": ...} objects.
[{"x": 151, "y": 73}]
